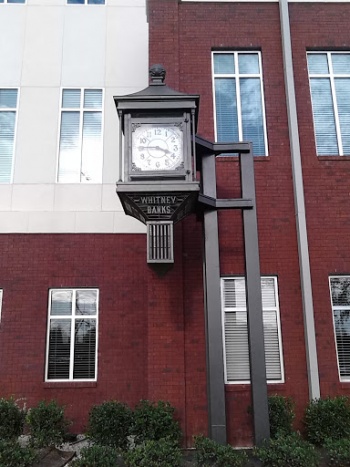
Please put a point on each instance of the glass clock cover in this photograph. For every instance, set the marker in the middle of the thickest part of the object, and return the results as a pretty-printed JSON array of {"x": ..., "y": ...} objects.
[{"x": 157, "y": 147}]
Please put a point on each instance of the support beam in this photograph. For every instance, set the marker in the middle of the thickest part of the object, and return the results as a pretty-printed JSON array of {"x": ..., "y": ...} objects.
[
  {"x": 214, "y": 339},
  {"x": 254, "y": 306}
]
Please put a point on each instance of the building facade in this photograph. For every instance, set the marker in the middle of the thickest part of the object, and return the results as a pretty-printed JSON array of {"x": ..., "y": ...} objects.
[{"x": 83, "y": 318}]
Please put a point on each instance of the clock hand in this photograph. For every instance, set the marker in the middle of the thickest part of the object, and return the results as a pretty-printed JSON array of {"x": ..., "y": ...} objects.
[{"x": 141, "y": 148}]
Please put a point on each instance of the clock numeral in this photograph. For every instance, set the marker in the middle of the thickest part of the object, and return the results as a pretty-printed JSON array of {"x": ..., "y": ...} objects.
[
  {"x": 176, "y": 148},
  {"x": 142, "y": 156},
  {"x": 173, "y": 156},
  {"x": 149, "y": 134},
  {"x": 157, "y": 164},
  {"x": 166, "y": 162},
  {"x": 173, "y": 139},
  {"x": 143, "y": 140},
  {"x": 157, "y": 131}
]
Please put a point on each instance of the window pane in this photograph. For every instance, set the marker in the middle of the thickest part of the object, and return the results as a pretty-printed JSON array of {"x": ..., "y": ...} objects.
[
  {"x": 252, "y": 114},
  {"x": 340, "y": 288},
  {"x": 237, "y": 351},
  {"x": 70, "y": 157},
  {"x": 15, "y": 1},
  {"x": 84, "y": 349},
  {"x": 341, "y": 63},
  {"x": 7, "y": 135},
  {"x": 342, "y": 86},
  {"x": 91, "y": 170},
  {"x": 342, "y": 331},
  {"x": 224, "y": 63},
  {"x": 317, "y": 63},
  {"x": 86, "y": 302},
  {"x": 226, "y": 110},
  {"x": 8, "y": 98},
  {"x": 75, "y": 2},
  {"x": 71, "y": 98},
  {"x": 322, "y": 104},
  {"x": 61, "y": 302},
  {"x": 248, "y": 63},
  {"x": 96, "y": 2},
  {"x": 59, "y": 349},
  {"x": 93, "y": 98}
]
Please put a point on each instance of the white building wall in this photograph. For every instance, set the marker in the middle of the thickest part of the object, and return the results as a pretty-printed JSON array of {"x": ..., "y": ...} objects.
[{"x": 46, "y": 45}]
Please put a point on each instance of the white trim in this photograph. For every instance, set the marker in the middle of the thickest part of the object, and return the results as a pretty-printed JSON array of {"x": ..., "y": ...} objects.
[
  {"x": 86, "y": 3},
  {"x": 73, "y": 317},
  {"x": 5, "y": 2}
]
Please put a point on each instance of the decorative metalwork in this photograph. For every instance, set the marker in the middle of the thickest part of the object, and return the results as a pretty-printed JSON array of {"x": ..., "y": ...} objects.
[{"x": 160, "y": 242}]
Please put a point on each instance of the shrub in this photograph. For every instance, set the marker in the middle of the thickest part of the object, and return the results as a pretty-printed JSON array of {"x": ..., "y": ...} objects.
[
  {"x": 161, "y": 453},
  {"x": 155, "y": 421},
  {"x": 281, "y": 414},
  {"x": 338, "y": 452},
  {"x": 11, "y": 419},
  {"x": 47, "y": 424},
  {"x": 13, "y": 455},
  {"x": 97, "y": 456},
  {"x": 327, "y": 419},
  {"x": 109, "y": 424},
  {"x": 289, "y": 451},
  {"x": 209, "y": 452}
]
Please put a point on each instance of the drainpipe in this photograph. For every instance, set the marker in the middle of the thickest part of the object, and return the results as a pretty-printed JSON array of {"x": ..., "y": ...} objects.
[{"x": 298, "y": 186}]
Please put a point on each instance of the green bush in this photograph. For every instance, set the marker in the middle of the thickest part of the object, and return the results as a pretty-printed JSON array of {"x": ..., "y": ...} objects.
[
  {"x": 97, "y": 456},
  {"x": 47, "y": 424},
  {"x": 209, "y": 452},
  {"x": 327, "y": 419},
  {"x": 109, "y": 424},
  {"x": 338, "y": 452},
  {"x": 289, "y": 451},
  {"x": 161, "y": 453},
  {"x": 281, "y": 414},
  {"x": 155, "y": 421},
  {"x": 11, "y": 419},
  {"x": 13, "y": 455}
]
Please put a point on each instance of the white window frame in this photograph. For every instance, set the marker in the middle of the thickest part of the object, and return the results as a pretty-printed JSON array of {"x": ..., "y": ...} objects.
[
  {"x": 331, "y": 76},
  {"x": 12, "y": 109},
  {"x": 243, "y": 309},
  {"x": 73, "y": 317},
  {"x": 237, "y": 76},
  {"x": 81, "y": 111},
  {"x": 345, "y": 379}
]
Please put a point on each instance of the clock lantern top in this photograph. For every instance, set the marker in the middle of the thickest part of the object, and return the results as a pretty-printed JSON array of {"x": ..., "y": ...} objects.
[{"x": 158, "y": 124}]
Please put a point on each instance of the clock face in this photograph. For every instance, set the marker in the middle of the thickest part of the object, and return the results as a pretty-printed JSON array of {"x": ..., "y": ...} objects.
[{"x": 157, "y": 147}]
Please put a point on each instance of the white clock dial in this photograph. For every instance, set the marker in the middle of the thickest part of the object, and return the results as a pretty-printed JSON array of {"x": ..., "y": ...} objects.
[{"x": 157, "y": 147}]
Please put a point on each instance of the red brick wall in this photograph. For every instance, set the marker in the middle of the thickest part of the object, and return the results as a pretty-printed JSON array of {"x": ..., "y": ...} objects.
[{"x": 150, "y": 339}]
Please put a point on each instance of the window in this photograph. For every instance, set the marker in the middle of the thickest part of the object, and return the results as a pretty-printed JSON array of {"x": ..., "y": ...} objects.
[
  {"x": 72, "y": 335},
  {"x": 12, "y": 1},
  {"x": 329, "y": 74},
  {"x": 1, "y": 293},
  {"x": 340, "y": 296},
  {"x": 80, "y": 148},
  {"x": 86, "y": 2},
  {"x": 8, "y": 112},
  {"x": 236, "y": 330},
  {"x": 238, "y": 96}
]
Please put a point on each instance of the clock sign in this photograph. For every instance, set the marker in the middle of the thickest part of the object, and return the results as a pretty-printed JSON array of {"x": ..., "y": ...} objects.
[{"x": 157, "y": 147}]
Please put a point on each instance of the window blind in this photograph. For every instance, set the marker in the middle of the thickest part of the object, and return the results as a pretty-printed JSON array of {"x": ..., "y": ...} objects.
[
  {"x": 236, "y": 330},
  {"x": 8, "y": 111}
]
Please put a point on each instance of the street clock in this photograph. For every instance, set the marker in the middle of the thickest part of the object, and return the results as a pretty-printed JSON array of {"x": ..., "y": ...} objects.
[{"x": 157, "y": 170}]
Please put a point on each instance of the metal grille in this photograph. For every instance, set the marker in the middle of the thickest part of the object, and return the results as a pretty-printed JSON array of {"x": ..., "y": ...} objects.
[{"x": 160, "y": 248}]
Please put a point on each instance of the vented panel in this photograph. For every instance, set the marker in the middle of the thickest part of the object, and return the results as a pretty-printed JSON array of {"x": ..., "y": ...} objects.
[{"x": 160, "y": 242}]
